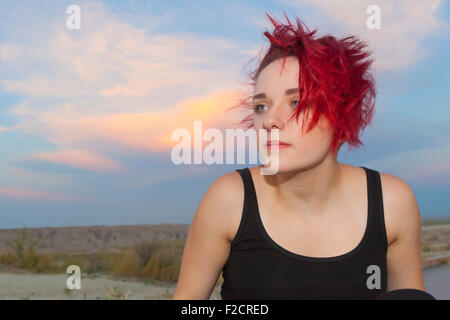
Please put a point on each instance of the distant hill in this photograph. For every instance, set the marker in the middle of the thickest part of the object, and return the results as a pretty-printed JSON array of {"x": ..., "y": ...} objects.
[
  {"x": 92, "y": 239},
  {"x": 435, "y": 236},
  {"x": 435, "y": 221}
]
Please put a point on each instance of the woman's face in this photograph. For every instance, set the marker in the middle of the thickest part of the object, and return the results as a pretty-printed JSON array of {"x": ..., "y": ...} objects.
[{"x": 273, "y": 109}]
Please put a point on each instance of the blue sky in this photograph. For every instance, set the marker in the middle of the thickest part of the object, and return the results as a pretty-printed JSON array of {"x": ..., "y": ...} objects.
[{"x": 85, "y": 114}]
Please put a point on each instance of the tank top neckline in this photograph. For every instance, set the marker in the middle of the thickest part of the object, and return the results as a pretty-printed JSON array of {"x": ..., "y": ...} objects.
[{"x": 297, "y": 256}]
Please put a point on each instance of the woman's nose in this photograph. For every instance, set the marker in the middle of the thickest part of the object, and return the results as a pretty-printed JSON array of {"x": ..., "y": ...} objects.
[{"x": 275, "y": 119}]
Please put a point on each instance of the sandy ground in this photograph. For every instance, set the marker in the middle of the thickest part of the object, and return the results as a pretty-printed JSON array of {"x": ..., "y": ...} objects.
[{"x": 45, "y": 286}]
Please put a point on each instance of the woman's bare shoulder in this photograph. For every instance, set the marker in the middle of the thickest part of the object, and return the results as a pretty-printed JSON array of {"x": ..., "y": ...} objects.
[
  {"x": 226, "y": 188},
  {"x": 401, "y": 210},
  {"x": 399, "y": 204},
  {"x": 223, "y": 203}
]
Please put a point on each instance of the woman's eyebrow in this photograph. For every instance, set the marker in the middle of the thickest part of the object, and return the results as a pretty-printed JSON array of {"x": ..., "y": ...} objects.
[
  {"x": 291, "y": 91},
  {"x": 287, "y": 92}
]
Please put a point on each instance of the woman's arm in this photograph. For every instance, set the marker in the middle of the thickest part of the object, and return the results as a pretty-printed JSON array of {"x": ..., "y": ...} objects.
[
  {"x": 208, "y": 242},
  {"x": 404, "y": 261}
]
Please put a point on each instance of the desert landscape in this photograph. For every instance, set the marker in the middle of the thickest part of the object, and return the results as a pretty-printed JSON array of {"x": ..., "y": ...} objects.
[{"x": 126, "y": 262}]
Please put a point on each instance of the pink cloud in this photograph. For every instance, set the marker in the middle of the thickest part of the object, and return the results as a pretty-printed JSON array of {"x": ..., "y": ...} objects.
[
  {"x": 147, "y": 130},
  {"x": 82, "y": 159},
  {"x": 36, "y": 195},
  {"x": 152, "y": 131}
]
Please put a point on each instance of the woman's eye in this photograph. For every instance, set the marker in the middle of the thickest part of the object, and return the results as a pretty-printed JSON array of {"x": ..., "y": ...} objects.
[{"x": 257, "y": 108}]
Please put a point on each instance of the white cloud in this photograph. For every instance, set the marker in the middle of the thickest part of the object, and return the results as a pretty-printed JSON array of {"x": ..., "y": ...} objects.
[{"x": 404, "y": 24}]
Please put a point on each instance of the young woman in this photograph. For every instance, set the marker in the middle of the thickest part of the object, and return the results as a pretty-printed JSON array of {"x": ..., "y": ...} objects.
[{"x": 319, "y": 228}]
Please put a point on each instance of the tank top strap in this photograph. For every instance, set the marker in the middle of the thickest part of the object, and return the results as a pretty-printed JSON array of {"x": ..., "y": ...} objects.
[
  {"x": 375, "y": 202},
  {"x": 248, "y": 226}
]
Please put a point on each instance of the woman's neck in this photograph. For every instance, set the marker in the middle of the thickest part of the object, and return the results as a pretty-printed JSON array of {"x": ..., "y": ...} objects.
[{"x": 313, "y": 189}]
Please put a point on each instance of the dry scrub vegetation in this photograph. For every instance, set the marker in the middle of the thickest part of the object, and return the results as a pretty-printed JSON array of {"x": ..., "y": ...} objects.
[{"x": 155, "y": 261}]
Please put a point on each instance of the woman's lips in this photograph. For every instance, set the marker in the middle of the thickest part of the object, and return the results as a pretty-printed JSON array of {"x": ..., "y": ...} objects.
[{"x": 281, "y": 145}]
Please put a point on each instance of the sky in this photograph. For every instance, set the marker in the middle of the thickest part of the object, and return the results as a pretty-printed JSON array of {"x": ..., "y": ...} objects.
[{"x": 86, "y": 115}]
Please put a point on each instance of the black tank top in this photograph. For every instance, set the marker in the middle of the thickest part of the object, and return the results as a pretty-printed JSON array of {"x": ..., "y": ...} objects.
[{"x": 259, "y": 268}]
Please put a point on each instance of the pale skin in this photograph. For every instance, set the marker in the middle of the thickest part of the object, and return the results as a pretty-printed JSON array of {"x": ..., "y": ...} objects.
[{"x": 314, "y": 206}]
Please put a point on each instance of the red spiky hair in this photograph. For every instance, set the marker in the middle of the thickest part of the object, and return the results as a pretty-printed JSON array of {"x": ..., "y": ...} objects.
[{"x": 334, "y": 76}]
